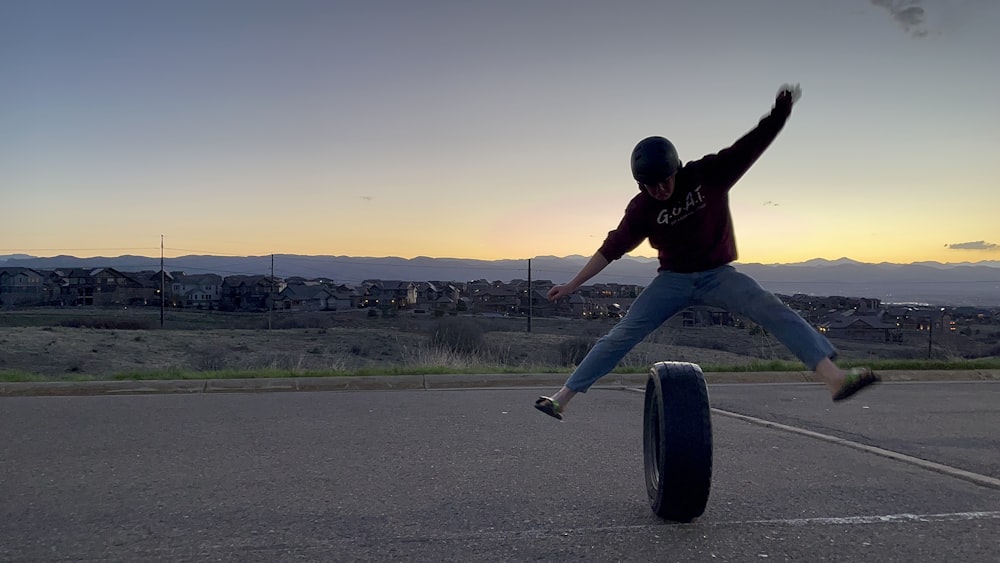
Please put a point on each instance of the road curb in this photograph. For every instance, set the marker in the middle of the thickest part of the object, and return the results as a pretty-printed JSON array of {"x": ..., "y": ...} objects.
[{"x": 432, "y": 381}]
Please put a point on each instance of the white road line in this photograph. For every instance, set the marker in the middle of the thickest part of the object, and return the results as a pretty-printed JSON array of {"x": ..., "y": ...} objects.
[
  {"x": 818, "y": 521},
  {"x": 543, "y": 533},
  {"x": 983, "y": 480},
  {"x": 886, "y": 519}
]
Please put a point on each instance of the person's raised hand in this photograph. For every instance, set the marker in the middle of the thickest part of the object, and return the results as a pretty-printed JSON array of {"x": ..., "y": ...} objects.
[
  {"x": 558, "y": 292},
  {"x": 787, "y": 96}
]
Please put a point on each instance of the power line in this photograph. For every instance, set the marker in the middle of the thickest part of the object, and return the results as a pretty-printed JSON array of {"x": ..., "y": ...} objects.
[
  {"x": 209, "y": 252},
  {"x": 74, "y": 249}
]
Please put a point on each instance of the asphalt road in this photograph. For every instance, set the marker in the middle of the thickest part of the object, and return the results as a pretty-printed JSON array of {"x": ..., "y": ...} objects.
[{"x": 479, "y": 475}]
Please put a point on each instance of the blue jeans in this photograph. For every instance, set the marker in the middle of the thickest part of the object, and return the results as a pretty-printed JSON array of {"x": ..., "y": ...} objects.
[{"x": 722, "y": 287}]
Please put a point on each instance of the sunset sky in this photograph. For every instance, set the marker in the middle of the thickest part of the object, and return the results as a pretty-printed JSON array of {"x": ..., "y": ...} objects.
[{"x": 490, "y": 130}]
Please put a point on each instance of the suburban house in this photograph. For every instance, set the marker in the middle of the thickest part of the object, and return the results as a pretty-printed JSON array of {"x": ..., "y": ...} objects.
[
  {"x": 867, "y": 325},
  {"x": 390, "y": 294},
  {"x": 501, "y": 301},
  {"x": 346, "y": 297},
  {"x": 305, "y": 296},
  {"x": 101, "y": 287},
  {"x": 815, "y": 308},
  {"x": 23, "y": 286},
  {"x": 703, "y": 315},
  {"x": 610, "y": 291},
  {"x": 474, "y": 287},
  {"x": 437, "y": 295},
  {"x": 154, "y": 281},
  {"x": 249, "y": 293},
  {"x": 850, "y": 317},
  {"x": 538, "y": 301},
  {"x": 202, "y": 291},
  {"x": 577, "y": 305}
]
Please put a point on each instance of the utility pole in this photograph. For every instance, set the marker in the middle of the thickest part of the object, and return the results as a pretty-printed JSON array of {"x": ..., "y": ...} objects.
[
  {"x": 930, "y": 331},
  {"x": 529, "y": 295},
  {"x": 930, "y": 336},
  {"x": 271, "y": 296},
  {"x": 163, "y": 278}
]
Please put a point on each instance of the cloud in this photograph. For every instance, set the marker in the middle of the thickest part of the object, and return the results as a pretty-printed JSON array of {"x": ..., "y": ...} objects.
[
  {"x": 977, "y": 245},
  {"x": 908, "y": 13}
]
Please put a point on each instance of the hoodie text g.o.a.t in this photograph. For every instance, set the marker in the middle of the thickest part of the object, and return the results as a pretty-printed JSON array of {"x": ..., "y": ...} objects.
[{"x": 693, "y": 230}]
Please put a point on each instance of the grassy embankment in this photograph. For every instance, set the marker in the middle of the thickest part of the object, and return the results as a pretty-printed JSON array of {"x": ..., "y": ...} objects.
[
  {"x": 433, "y": 346},
  {"x": 763, "y": 366}
]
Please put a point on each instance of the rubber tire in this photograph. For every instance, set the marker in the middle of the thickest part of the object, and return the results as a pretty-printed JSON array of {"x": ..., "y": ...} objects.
[{"x": 677, "y": 441}]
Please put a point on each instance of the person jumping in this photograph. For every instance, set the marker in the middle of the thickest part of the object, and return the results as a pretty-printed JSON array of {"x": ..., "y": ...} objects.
[{"x": 683, "y": 210}]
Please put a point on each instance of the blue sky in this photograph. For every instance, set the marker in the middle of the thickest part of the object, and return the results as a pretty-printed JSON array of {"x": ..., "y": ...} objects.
[{"x": 490, "y": 129}]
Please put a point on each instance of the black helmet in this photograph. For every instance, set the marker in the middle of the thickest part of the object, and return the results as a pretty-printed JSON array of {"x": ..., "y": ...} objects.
[{"x": 654, "y": 159}]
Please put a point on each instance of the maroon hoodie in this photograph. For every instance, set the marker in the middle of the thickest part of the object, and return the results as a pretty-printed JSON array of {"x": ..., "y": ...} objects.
[{"x": 693, "y": 230}]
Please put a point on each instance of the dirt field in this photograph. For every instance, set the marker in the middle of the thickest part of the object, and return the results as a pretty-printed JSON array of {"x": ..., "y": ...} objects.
[
  {"x": 59, "y": 344},
  {"x": 60, "y": 353}
]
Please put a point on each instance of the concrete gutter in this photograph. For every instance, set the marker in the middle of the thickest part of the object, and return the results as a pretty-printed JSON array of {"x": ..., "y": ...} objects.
[{"x": 413, "y": 382}]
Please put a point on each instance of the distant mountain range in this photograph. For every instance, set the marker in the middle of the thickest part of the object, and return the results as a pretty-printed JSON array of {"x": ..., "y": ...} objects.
[{"x": 976, "y": 284}]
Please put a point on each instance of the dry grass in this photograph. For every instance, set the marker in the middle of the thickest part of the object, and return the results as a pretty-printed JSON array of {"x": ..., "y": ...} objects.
[
  {"x": 56, "y": 352},
  {"x": 42, "y": 346},
  {"x": 73, "y": 353}
]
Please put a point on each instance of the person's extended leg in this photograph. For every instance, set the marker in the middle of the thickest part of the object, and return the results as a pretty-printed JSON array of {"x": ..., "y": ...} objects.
[
  {"x": 844, "y": 383},
  {"x": 725, "y": 287},
  {"x": 666, "y": 294}
]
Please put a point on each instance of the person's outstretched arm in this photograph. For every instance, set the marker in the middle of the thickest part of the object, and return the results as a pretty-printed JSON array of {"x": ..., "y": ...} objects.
[
  {"x": 593, "y": 267},
  {"x": 731, "y": 163}
]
